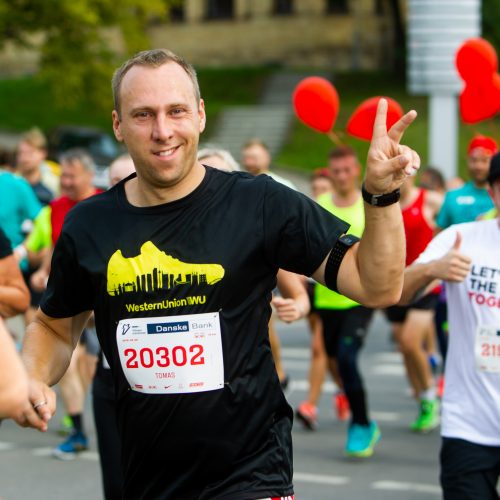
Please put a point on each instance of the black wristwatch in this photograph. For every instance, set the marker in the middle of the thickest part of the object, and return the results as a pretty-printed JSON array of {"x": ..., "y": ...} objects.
[
  {"x": 340, "y": 248},
  {"x": 380, "y": 200}
]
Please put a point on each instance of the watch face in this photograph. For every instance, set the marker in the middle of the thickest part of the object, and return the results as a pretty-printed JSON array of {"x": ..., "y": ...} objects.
[{"x": 349, "y": 240}]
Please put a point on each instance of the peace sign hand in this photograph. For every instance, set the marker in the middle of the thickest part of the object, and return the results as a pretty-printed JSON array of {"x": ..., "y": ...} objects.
[{"x": 389, "y": 163}]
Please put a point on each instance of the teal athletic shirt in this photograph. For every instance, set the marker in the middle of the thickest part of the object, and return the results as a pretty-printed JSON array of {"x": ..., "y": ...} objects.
[
  {"x": 18, "y": 203},
  {"x": 464, "y": 204}
]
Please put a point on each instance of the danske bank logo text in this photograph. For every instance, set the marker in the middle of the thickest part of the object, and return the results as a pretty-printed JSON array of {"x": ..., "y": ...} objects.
[{"x": 174, "y": 327}]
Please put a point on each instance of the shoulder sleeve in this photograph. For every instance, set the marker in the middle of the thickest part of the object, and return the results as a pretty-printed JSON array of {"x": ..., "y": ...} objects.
[
  {"x": 69, "y": 290},
  {"x": 5, "y": 246},
  {"x": 298, "y": 233},
  {"x": 439, "y": 245}
]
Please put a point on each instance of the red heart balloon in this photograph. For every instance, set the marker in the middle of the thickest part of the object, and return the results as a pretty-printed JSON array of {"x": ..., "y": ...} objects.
[
  {"x": 316, "y": 103},
  {"x": 361, "y": 122},
  {"x": 480, "y": 101},
  {"x": 476, "y": 60}
]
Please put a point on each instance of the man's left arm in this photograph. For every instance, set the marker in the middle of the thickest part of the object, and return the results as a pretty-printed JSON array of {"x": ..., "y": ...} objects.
[{"x": 371, "y": 271}]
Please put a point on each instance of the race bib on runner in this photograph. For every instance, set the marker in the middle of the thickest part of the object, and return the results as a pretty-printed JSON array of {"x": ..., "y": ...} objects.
[
  {"x": 487, "y": 348},
  {"x": 173, "y": 354}
]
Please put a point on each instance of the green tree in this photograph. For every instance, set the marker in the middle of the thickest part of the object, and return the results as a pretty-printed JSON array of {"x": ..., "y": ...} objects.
[
  {"x": 76, "y": 54},
  {"x": 491, "y": 22}
]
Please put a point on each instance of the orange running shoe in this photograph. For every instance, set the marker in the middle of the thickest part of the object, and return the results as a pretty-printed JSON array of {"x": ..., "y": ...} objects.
[
  {"x": 307, "y": 414},
  {"x": 341, "y": 406}
]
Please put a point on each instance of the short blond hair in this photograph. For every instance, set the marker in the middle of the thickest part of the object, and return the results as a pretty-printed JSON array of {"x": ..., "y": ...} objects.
[
  {"x": 153, "y": 59},
  {"x": 35, "y": 138}
]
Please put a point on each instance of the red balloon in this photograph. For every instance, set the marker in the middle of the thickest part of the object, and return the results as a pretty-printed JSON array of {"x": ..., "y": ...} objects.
[
  {"x": 480, "y": 101},
  {"x": 316, "y": 103},
  {"x": 361, "y": 122},
  {"x": 476, "y": 60}
]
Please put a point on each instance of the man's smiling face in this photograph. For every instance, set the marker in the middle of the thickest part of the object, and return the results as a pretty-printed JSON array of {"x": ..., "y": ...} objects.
[{"x": 160, "y": 122}]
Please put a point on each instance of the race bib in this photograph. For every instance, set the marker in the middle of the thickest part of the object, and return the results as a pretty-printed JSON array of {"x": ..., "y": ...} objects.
[
  {"x": 172, "y": 355},
  {"x": 487, "y": 348}
]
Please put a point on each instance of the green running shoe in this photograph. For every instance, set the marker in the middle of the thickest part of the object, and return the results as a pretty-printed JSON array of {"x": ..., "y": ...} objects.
[{"x": 428, "y": 418}]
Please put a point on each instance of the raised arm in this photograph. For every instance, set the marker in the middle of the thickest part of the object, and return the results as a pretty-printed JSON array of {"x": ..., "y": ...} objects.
[
  {"x": 371, "y": 272},
  {"x": 47, "y": 349}
]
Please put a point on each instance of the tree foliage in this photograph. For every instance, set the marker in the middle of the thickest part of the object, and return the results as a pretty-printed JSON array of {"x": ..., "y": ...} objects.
[
  {"x": 491, "y": 22},
  {"x": 79, "y": 40}
]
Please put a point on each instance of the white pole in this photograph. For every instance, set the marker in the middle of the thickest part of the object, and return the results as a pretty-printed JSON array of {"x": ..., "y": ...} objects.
[{"x": 443, "y": 134}]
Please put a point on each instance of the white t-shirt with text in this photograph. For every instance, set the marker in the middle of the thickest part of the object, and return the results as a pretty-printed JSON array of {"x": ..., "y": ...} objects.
[{"x": 471, "y": 403}]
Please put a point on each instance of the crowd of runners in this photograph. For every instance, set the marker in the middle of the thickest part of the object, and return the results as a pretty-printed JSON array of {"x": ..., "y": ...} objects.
[{"x": 159, "y": 295}]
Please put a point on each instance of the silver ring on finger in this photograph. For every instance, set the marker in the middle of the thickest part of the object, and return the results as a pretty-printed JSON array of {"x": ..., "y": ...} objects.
[{"x": 41, "y": 403}]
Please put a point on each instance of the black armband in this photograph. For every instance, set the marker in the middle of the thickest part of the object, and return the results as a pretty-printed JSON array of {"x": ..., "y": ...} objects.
[{"x": 332, "y": 267}]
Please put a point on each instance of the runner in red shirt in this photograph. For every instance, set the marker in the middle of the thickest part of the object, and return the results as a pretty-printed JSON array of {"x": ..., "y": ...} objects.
[
  {"x": 412, "y": 325},
  {"x": 76, "y": 185}
]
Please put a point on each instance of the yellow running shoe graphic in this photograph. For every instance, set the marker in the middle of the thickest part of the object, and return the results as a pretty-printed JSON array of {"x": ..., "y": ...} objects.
[{"x": 153, "y": 270}]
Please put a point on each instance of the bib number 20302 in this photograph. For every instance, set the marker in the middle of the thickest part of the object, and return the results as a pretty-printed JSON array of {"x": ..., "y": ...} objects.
[
  {"x": 162, "y": 357},
  {"x": 173, "y": 354}
]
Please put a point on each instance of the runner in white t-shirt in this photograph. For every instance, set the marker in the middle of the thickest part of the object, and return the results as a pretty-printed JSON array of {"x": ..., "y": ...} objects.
[{"x": 468, "y": 257}]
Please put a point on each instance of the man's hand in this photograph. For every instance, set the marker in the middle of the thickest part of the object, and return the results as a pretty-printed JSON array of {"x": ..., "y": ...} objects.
[
  {"x": 389, "y": 163},
  {"x": 454, "y": 266},
  {"x": 41, "y": 408},
  {"x": 288, "y": 310}
]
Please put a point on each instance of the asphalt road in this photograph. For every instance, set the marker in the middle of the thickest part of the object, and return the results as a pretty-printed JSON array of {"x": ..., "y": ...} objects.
[{"x": 404, "y": 467}]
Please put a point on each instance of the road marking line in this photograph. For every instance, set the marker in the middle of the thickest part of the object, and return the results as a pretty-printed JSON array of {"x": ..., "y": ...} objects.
[
  {"x": 401, "y": 486},
  {"x": 304, "y": 477},
  {"x": 387, "y": 357},
  {"x": 296, "y": 364},
  {"x": 303, "y": 385},
  {"x": 386, "y": 416},
  {"x": 296, "y": 352},
  {"x": 391, "y": 370},
  {"x": 42, "y": 452},
  {"x": 4, "y": 446},
  {"x": 91, "y": 456}
]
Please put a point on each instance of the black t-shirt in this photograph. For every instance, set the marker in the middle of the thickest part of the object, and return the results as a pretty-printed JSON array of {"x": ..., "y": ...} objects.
[
  {"x": 5, "y": 245},
  {"x": 233, "y": 443}
]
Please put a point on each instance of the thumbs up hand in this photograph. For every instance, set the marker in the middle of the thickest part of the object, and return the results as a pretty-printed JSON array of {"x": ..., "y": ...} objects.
[{"x": 453, "y": 266}]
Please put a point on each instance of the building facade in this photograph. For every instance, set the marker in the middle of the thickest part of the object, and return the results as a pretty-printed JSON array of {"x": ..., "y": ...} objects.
[
  {"x": 334, "y": 34},
  {"x": 339, "y": 34}
]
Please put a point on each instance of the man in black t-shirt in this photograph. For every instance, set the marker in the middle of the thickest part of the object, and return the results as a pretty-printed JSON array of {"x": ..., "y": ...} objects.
[{"x": 178, "y": 262}]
